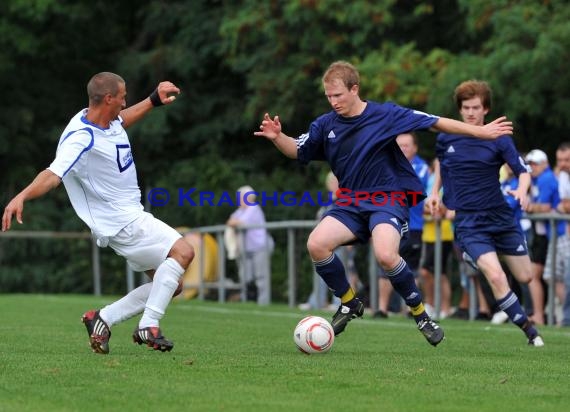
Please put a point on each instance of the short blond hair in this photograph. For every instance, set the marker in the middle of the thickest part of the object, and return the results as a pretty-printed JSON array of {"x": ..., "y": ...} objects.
[{"x": 343, "y": 71}]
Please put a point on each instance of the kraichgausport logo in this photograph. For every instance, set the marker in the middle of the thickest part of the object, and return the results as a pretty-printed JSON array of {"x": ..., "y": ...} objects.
[{"x": 193, "y": 197}]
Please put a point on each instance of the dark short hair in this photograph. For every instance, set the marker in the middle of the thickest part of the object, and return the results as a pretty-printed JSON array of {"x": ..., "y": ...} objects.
[
  {"x": 102, "y": 84},
  {"x": 564, "y": 146}
]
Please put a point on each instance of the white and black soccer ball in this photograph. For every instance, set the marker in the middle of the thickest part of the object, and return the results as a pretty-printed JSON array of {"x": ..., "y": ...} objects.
[{"x": 313, "y": 334}]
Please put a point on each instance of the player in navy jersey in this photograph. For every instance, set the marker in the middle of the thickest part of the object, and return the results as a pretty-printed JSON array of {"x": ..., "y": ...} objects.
[
  {"x": 411, "y": 248},
  {"x": 485, "y": 225},
  {"x": 358, "y": 140}
]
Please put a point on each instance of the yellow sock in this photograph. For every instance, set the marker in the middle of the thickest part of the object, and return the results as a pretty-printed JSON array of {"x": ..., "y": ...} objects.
[
  {"x": 417, "y": 310},
  {"x": 348, "y": 296}
]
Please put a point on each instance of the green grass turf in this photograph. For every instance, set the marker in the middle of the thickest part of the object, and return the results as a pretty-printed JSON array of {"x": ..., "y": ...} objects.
[{"x": 241, "y": 357}]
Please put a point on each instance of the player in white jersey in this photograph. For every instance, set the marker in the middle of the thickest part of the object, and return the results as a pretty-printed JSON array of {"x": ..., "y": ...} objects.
[{"x": 95, "y": 164}]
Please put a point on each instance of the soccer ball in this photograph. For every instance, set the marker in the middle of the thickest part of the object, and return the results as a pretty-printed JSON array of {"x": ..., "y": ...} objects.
[{"x": 313, "y": 334}]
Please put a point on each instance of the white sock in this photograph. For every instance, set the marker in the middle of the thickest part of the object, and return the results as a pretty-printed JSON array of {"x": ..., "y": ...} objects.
[
  {"x": 164, "y": 285},
  {"x": 128, "y": 306}
]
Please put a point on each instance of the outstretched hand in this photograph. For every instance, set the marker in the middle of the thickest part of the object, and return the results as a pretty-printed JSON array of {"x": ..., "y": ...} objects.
[
  {"x": 497, "y": 127},
  {"x": 269, "y": 128}
]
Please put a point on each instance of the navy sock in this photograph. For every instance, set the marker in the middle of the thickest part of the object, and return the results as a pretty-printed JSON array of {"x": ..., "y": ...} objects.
[
  {"x": 402, "y": 280},
  {"x": 332, "y": 271},
  {"x": 512, "y": 307}
]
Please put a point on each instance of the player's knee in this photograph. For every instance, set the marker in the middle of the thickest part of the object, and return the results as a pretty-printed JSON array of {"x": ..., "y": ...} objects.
[
  {"x": 387, "y": 259},
  {"x": 496, "y": 278},
  {"x": 524, "y": 276},
  {"x": 187, "y": 256},
  {"x": 425, "y": 274},
  {"x": 183, "y": 252},
  {"x": 317, "y": 249}
]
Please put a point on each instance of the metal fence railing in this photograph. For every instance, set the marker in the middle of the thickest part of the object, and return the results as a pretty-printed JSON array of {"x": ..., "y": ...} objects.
[
  {"x": 95, "y": 255},
  {"x": 291, "y": 227}
]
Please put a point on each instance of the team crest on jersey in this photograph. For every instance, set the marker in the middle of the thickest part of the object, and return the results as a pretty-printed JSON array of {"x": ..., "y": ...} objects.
[
  {"x": 331, "y": 135},
  {"x": 124, "y": 157},
  {"x": 450, "y": 149}
]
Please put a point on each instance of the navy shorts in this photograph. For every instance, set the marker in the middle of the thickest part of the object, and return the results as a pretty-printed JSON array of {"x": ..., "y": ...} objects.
[
  {"x": 362, "y": 219},
  {"x": 493, "y": 230}
]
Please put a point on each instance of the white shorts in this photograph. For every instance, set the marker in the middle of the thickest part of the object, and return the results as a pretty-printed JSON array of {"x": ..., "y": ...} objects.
[
  {"x": 145, "y": 242},
  {"x": 562, "y": 260}
]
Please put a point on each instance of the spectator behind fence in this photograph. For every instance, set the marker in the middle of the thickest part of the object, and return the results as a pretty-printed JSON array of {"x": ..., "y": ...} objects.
[
  {"x": 563, "y": 162},
  {"x": 95, "y": 164},
  {"x": 411, "y": 248},
  {"x": 545, "y": 197},
  {"x": 562, "y": 245},
  {"x": 254, "y": 246},
  {"x": 357, "y": 139},
  {"x": 484, "y": 223},
  {"x": 562, "y": 261}
]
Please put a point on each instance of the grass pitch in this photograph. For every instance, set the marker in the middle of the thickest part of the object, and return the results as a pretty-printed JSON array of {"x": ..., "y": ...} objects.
[{"x": 241, "y": 357}]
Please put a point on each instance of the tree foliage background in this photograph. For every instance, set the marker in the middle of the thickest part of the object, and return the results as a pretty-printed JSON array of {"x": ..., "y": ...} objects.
[{"x": 234, "y": 61}]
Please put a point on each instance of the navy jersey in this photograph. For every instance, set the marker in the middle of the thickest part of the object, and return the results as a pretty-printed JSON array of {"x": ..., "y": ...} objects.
[
  {"x": 470, "y": 170},
  {"x": 362, "y": 150}
]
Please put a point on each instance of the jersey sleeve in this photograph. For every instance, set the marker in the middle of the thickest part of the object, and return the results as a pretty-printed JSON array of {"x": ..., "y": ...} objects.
[
  {"x": 511, "y": 156},
  {"x": 70, "y": 150},
  {"x": 310, "y": 145},
  {"x": 406, "y": 120}
]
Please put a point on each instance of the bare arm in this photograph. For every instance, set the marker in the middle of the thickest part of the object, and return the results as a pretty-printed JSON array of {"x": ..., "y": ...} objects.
[
  {"x": 134, "y": 113},
  {"x": 521, "y": 192},
  {"x": 433, "y": 202},
  {"x": 43, "y": 183},
  {"x": 233, "y": 222},
  {"x": 496, "y": 128},
  {"x": 271, "y": 130},
  {"x": 564, "y": 206},
  {"x": 539, "y": 208}
]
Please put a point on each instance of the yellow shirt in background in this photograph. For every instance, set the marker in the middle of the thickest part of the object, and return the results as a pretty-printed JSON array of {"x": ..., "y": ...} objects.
[{"x": 428, "y": 234}]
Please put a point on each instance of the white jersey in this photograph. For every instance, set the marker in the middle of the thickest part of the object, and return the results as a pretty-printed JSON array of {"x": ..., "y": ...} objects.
[{"x": 99, "y": 174}]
